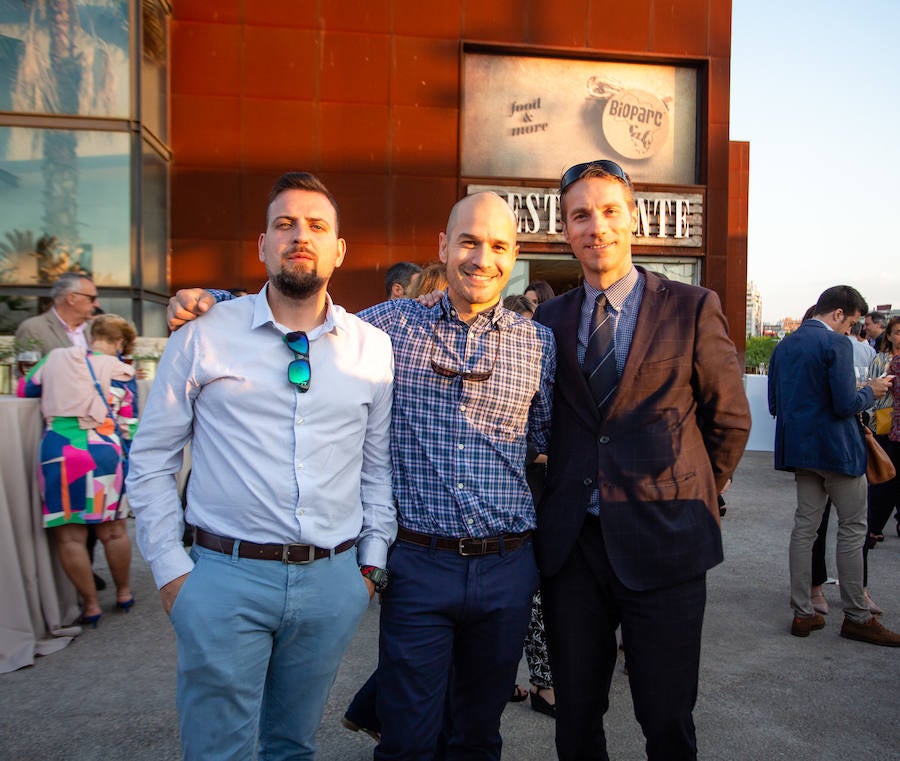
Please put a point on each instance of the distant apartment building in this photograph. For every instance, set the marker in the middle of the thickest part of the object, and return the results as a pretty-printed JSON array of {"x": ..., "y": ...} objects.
[
  {"x": 754, "y": 310},
  {"x": 790, "y": 324}
]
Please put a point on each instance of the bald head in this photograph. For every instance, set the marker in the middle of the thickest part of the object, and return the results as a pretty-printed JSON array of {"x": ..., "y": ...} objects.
[
  {"x": 488, "y": 201},
  {"x": 479, "y": 249}
]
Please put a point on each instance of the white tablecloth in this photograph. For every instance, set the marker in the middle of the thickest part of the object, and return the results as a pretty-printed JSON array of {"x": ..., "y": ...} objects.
[
  {"x": 762, "y": 434},
  {"x": 38, "y": 604}
]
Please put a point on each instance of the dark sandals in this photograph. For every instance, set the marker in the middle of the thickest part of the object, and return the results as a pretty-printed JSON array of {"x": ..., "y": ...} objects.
[{"x": 518, "y": 694}]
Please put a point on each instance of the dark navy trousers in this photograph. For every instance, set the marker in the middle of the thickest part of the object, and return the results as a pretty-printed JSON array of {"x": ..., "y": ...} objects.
[
  {"x": 442, "y": 613},
  {"x": 661, "y": 629}
]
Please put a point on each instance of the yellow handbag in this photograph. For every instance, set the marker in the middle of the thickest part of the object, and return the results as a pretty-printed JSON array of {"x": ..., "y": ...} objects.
[{"x": 883, "y": 421}]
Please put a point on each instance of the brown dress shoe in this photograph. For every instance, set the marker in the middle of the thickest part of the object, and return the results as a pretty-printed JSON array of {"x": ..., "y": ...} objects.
[
  {"x": 803, "y": 625},
  {"x": 871, "y": 631}
]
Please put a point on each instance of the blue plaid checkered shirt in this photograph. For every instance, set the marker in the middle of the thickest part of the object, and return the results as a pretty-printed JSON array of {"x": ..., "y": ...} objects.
[{"x": 458, "y": 444}]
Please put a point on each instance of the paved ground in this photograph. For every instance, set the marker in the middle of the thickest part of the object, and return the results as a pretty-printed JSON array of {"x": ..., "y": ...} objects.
[{"x": 764, "y": 695}]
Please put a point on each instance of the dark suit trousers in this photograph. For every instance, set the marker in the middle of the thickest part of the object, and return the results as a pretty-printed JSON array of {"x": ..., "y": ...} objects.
[
  {"x": 446, "y": 613},
  {"x": 583, "y": 605}
]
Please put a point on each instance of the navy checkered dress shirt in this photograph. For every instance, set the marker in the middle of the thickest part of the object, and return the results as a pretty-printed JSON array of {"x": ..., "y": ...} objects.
[{"x": 458, "y": 445}]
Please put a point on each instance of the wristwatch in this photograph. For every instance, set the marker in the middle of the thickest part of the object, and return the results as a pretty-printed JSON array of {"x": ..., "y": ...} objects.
[{"x": 380, "y": 577}]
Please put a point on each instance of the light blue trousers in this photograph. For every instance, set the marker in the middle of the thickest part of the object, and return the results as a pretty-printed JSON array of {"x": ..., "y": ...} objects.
[{"x": 259, "y": 644}]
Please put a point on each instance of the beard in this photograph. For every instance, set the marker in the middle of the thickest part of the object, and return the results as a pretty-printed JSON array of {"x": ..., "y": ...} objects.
[{"x": 298, "y": 285}]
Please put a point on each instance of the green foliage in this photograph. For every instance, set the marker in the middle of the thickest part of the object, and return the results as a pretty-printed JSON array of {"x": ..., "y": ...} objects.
[{"x": 759, "y": 350}]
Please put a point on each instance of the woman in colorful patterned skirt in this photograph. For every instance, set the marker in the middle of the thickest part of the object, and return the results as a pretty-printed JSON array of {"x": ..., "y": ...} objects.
[{"x": 87, "y": 405}]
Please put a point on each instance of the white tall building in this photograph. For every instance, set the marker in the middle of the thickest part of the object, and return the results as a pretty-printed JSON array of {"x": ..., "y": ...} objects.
[{"x": 754, "y": 310}]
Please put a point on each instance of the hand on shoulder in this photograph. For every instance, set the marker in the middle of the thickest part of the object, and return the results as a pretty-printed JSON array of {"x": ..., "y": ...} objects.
[{"x": 186, "y": 305}]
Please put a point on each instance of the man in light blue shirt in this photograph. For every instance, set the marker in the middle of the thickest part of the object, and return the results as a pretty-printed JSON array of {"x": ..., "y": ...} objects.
[
  {"x": 286, "y": 401},
  {"x": 474, "y": 384}
]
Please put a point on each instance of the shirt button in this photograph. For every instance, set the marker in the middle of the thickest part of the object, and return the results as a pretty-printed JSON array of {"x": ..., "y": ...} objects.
[
  {"x": 470, "y": 521},
  {"x": 299, "y": 420},
  {"x": 462, "y": 407},
  {"x": 604, "y": 439},
  {"x": 460, "y": 485},
  {"x": 299, "y": 466},
  {"x": 299, "y": 512},
  {"x": 460, "y": 446},
  {"x": 588, "y": 481}
]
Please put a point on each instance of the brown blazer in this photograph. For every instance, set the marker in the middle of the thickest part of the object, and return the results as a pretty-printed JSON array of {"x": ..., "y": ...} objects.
[
  {"x": 671, "y": 438},
  {"x": 46, "y": 329}
]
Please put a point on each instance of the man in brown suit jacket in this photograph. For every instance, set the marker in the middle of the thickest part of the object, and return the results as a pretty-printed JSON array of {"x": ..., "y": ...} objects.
[
  {"x": 74, "y": 300},
  {"x": 629, "y": 523}
]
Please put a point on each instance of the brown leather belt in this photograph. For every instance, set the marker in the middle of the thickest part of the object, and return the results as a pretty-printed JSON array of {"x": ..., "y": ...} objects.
[
  {"x": 286, "y": 553},
  {"x": 467, "y": 546}
]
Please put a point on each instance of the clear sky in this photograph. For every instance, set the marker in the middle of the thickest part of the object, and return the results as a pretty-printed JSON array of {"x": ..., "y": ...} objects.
[{"x": 815, "y": 89}]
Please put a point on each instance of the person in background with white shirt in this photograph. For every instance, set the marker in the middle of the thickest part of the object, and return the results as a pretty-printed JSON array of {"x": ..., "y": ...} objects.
[
  {"x": 863, "y": 353},
  {"x": 286, "y": 401}
]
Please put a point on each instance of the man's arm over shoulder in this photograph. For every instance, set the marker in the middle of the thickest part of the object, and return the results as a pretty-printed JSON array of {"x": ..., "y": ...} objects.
[
  {"x": 156, "y": 458},
  {"x": 379, "y": 526},
  {"x": 723, "y": 412},
  {"x": 189, "y": 303}
]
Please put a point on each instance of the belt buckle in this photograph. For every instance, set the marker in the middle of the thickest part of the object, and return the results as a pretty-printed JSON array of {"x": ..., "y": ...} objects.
[
  {"x": 286, "y": 551},
  {"x": 481, "y": 550}
]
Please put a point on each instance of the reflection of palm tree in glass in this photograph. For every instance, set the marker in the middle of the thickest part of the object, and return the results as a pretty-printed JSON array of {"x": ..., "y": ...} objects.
[
  {"x": 59, "y": 166},
  {"x": 63, "y": 70},
  {"x": 14, "y": 253}
]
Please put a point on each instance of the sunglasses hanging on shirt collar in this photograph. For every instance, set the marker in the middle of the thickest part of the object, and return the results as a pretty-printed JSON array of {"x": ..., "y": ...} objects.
[{"x": 299, "y": 368}]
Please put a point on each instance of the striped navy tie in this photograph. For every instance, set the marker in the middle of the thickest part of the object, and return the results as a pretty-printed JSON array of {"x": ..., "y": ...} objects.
[{"x": 600, "y": 356}]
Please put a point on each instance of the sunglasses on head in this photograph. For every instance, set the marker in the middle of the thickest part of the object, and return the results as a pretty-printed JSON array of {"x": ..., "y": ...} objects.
[
  {"x": 573, "y": 173},
  {"x": 298, "y": 369}
]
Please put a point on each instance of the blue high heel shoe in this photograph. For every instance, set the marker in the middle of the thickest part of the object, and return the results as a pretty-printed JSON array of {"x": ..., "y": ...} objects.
[
  {"x": 90, "y": 620},
  {"x": 125, "y": 605}
]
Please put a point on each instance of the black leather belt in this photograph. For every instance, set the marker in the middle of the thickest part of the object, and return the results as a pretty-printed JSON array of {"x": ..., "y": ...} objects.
[
  {"x": 286, "y": 553},
  {"x": 466, "y": 546}
]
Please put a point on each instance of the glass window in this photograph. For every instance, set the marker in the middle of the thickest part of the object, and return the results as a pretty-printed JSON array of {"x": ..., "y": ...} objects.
[
  {"x": 154, "y": 69},
  {"x": 65, "y": 204},
  {"x": 154, "y": 319},
  {"x": 65, "y": 57},
  {"x": 154, "y": 220},
  {"x": 120, "y": 305},
  {"x": 682, "y": 270},
  {"x": 16, "y": 309}
]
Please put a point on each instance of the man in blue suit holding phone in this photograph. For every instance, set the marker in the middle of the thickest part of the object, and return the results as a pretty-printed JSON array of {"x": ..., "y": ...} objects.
[{"x": 813, "y": 396}]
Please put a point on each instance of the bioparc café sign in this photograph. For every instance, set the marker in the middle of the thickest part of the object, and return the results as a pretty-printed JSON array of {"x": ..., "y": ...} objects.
[{"x": 664, "y": 219}]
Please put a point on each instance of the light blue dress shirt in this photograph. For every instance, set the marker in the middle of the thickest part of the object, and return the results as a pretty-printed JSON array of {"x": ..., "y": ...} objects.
[{"x": 269, "y": 464}]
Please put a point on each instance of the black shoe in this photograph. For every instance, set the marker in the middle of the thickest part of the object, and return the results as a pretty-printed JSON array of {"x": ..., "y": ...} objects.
[
  {"x": 542, "y": 706},
  {"x": 99, "y": 583},
  {"x": 354, "y": 727}
]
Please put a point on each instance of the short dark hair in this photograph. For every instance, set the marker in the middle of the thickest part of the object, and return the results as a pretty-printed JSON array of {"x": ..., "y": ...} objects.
[
  {"x": 542, "y": 288},
  {"x": 856, "y": 328},
  {"x": 302, "y": 181},
  {"x": 402, "y": 273},
  {"x": 841, "y": 297},
  {"x": 520, "y": 304},
  {"x": 877, "y": 317},
  {"x": 882, "y": 344}
]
